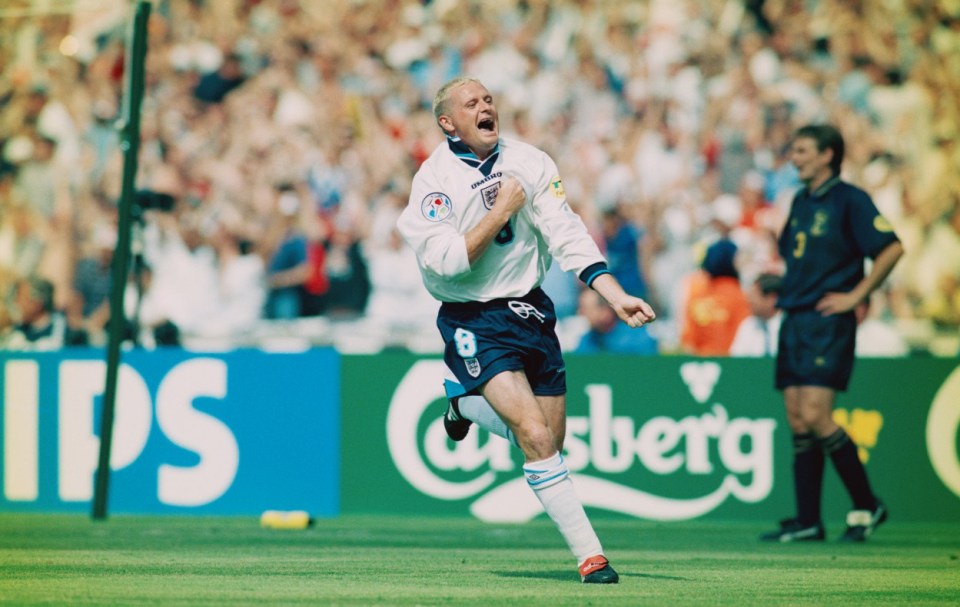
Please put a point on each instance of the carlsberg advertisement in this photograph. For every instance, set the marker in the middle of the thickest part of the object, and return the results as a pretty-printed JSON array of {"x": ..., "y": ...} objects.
[{"x": 663, "y": 439}]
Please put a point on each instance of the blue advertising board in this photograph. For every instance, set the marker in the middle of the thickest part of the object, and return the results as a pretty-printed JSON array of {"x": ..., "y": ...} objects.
[{"x": 231, "y": 433}]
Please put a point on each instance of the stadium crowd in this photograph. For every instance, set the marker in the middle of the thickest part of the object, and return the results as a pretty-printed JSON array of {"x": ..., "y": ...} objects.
[{"x": 279, "y": 139}]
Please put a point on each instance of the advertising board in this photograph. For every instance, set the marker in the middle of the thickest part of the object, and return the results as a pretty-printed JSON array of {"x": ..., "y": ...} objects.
[
  {"x": 228, "y": 433},
  {"x": 665, "y": 438}
]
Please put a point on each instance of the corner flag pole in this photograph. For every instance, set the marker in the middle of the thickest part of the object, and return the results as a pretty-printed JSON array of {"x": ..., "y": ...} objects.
[{"x": 130, "y": 144}]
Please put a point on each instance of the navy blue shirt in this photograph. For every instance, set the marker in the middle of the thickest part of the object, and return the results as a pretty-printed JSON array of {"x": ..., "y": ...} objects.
[
  {"x": 828, "y": 234},
  {"x": 620, "y": 340},
  {"x": 623, "y": 260}
]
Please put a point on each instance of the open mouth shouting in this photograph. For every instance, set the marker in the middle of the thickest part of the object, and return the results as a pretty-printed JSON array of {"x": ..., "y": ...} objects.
[{"x": 487, "y": 125}]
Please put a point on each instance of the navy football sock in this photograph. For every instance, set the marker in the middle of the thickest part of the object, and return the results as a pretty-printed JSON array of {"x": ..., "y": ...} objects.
[
  {"x": 808, "y": 464},
  {"x": 843, "y": 453}
]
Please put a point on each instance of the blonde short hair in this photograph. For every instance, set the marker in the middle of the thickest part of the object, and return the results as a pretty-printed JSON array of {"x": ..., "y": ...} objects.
[{"x": 443, "y": 95}]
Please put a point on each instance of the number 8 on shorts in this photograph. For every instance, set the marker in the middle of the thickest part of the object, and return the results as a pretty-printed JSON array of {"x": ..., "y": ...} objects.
[{"x": 466, "y": 343}]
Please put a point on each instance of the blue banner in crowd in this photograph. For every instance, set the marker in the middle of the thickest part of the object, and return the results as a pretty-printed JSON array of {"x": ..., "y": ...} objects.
[{"x": 232, "y": 433}]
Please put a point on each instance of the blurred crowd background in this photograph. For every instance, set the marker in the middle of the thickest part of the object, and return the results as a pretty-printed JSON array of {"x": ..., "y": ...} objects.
[{"x": 279, "y": 139}]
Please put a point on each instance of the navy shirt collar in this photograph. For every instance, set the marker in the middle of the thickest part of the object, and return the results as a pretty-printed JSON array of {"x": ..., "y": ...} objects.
[
  {"x": 461, "y": 151},
  {"x": 825, "y": 187}
]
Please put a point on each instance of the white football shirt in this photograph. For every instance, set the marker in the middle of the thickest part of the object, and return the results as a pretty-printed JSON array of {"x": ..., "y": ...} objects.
[{"x": 449, "y": 197}]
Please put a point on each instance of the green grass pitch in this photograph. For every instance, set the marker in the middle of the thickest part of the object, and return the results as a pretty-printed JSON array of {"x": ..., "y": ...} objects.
[{"x": 192, "y": 561}]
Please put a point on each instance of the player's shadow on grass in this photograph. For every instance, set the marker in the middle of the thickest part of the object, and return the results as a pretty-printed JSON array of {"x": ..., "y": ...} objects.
[{"x": 564, "y": 574}]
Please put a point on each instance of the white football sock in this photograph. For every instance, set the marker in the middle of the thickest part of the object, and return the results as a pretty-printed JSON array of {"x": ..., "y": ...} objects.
[
  {"x": 550, "y": 481},
  {"x": 478, "y": 410}
]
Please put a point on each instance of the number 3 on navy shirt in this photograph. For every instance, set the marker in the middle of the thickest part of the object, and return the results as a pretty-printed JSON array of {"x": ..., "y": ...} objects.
[{"x": 800, "y": 238}]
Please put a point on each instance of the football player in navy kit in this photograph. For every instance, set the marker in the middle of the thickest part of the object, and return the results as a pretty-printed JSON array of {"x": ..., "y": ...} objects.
[
  {"x": 487, "y": 216},
  {"x": 832, "y": 228}
]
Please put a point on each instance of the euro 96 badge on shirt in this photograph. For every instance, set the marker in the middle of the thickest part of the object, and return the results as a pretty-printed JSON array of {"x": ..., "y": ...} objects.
[{"x": 436, "y": 206}]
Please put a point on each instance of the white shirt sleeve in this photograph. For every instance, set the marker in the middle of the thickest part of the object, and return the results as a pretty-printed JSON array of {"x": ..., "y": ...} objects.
[
  {"x": 442, "y": 251},
  {"x": 565, "y": 234}
]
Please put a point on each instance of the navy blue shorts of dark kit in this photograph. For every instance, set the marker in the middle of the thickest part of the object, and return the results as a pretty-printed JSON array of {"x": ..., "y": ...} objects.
[
  {"x": 816, "y": 350},
  {"x": 483, "y": 339}
]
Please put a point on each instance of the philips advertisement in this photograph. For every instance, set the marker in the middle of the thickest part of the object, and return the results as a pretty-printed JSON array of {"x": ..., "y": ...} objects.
[{"x": 231, "y": 433}]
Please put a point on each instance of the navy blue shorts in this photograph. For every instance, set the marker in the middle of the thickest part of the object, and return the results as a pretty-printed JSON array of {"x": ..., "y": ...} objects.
[
  {"x": 483, "y": 339},
  {"x": 816, "y": 350}
]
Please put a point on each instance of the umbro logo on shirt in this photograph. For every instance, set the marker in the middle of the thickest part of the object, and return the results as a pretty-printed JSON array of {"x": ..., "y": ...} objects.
[{"x": 489, "y": 177}]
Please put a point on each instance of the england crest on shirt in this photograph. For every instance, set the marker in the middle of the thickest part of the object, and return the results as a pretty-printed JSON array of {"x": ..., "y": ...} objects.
[{"x": 489, "y": 195}]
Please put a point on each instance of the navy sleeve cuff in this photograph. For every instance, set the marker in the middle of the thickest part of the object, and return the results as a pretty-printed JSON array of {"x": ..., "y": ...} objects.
[{"x": 592, "y": 271}]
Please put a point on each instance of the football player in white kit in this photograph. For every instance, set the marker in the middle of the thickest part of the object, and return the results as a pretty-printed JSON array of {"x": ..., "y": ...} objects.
[{"x": 486, "y": 217}]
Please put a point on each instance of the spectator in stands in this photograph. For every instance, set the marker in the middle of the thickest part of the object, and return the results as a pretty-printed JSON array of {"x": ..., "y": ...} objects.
[
  {"x": 37, "y": 325},
  {"x": 715, "y": 303},
  {"x": 183, "y": 279},
  {"x": 37, "y": 177},
  {"x": 753, "y": 203},
  {"x": 607, "y": 333},
  {"x": 757, "y": 334},
  {"x": 288, "y": 266},
  {"x": 622, "y": 244},
  {"x": 398, "y": 298},
  {"x": 242, "y": 284},
  {"x": 24, "y": 234},
  {"x": 214, "y": 86},
  {"x": 317, "y": 285},
  {"x": 936, "y": 275},
  {"x": 347, "y": 271},
  {"x": 89, "y": 307},
  {"x": 564, "y": 291}
]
